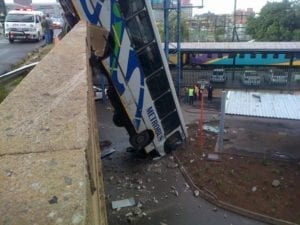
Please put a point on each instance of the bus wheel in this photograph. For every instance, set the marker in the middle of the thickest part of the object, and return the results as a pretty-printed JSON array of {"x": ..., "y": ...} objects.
[
  {"x": 118, "y": 120},
  {"x": 139, "y": 141}
]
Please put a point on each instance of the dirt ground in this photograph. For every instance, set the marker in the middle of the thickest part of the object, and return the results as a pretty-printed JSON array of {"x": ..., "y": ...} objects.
[{"x": 243, "y": 180}]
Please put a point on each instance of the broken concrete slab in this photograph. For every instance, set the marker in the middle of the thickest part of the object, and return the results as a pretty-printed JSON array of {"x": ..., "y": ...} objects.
[
  {"x": 123, "y": 203},
  {"x": 213, "y": 129},
  {"x": 213, "y": 157},
  {"x": 107, "y": 151}
]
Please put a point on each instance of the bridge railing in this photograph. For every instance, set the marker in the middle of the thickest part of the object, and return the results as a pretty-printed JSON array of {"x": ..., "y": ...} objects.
[{"x": 50, "y": 171}]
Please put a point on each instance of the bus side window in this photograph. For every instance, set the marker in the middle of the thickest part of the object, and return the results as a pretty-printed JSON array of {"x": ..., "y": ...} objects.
[
  {"x": 130, "y": 7},
  {"x": 171, "y": 122},
  {"x": 150, "y": 59},
  {"x": 139, "y": 30},
  {"x": 165, "y": 105},
  {"x": 158, "y": 84}
]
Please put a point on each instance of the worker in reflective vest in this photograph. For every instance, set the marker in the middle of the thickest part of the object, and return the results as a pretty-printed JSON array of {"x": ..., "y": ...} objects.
[{"x": 191, "y": 95}]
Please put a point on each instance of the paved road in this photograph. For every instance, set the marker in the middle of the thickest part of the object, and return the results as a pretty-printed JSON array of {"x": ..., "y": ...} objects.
[
  {"x": 158, "y": 186},
  {"x": 11, "y": 54}
]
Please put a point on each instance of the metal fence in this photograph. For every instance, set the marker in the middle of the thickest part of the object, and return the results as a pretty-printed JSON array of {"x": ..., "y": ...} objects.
[{"x": 191, "y": 77}]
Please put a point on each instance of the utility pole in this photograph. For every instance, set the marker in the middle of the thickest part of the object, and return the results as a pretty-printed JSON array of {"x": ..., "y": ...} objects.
[
  {"x": 166, "y": 27},
  {"x": 234, "y": 31},
  {"x": 179, "y": 66},
  {"x": 167, "y": 8}
]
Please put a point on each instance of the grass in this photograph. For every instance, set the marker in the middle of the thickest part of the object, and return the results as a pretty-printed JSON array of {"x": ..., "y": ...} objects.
[
  {"x": 36, "y": 55},
  {"x": 3, "y": 93},
  {"x": 7, "y": 87}
]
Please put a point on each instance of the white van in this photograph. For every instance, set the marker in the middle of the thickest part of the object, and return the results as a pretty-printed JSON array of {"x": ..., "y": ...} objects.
[
  {"x": 251, "y": 78},
  {"x": 23, "y": 25},
  {"x": 218, "y": 76}
]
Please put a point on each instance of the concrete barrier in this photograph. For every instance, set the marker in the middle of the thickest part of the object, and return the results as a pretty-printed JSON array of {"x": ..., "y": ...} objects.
[{"x": 50, "y": 171}]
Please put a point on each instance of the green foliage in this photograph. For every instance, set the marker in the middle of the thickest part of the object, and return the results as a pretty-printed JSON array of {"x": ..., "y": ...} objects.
[
  {"x": 173, "y": 28},
  {"x": 219, "y": 33},
  {"x": 277, "y": 21},
  {"x": 3, "y": 93},
  {"x": 6, "y": 88}
]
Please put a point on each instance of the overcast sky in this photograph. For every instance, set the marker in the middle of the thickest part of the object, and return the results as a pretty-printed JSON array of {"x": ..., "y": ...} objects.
[{"x": 227, "y": 6}]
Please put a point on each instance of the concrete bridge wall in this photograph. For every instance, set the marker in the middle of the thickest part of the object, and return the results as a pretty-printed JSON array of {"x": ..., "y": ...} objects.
[{"x": 50, "y": 171}]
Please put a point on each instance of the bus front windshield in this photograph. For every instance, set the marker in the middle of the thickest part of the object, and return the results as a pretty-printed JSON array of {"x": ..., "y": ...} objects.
[{"x": 25, "y": 18}]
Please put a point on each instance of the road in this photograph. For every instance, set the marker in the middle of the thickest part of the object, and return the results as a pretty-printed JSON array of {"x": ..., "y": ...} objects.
[
  {"x": 158, "y": 187},
  {"x": 11, "y": 54}
]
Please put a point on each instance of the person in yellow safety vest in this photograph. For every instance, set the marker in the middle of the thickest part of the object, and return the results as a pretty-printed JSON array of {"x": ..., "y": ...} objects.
[{"x": 191, "y": 95}]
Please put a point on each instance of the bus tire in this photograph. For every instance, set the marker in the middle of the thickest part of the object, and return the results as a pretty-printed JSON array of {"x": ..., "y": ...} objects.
[
  {"x": 118, "y": 120},
  {"x": 141, "y": 140}
]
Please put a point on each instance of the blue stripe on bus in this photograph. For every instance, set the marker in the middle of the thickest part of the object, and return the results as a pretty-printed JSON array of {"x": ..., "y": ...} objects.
[
  {"x": 133, "y": 64},
  {"x": 93, "y": 18},
  {"x": 138, "y": 113}
]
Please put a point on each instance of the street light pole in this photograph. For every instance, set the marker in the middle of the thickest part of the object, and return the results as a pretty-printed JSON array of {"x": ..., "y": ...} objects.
[
  {"x": 166, "y": 27},
  {"x": 234, "y": 31},
  {"x": 179, "y": 70}
]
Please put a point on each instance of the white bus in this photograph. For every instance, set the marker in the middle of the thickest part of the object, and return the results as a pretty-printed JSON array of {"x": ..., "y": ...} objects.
[{"x": 141, "y": 91}]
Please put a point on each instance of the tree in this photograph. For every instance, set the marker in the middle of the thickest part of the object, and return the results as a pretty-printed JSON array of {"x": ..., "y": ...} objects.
[
  {"x": 277, "y": 21},
  {"x": 173, "y": 28},
  {"x": 219, "y": 33}
]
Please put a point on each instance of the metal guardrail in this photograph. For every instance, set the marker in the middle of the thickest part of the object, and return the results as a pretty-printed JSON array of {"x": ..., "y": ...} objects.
[{"x": 14, "y": 73}]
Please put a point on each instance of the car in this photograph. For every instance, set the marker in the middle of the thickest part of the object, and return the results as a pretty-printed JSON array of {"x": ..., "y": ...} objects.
[
  {"x": 57, "y": 22},
  {"x": 203, "y": 83},
  {"x": 250, "y": 78},
  {"x": 218, "y": 76},
  {"x": 278, "y": 77}
]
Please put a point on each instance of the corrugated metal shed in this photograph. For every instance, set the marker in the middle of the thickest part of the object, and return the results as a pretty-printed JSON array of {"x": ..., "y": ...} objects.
[{"x": 259, "y": 104}]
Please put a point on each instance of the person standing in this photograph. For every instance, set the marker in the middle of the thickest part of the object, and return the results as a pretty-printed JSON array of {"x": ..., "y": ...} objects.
[
  {"x": 191, "y": 95},
  {"x": 196, "y": 92},
  {"x": 50, "y": 24},
  {"x": 45, "y": 27},
  {"x": 210, "y": 92}
]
